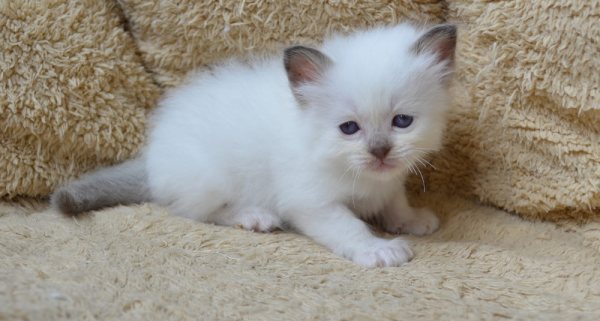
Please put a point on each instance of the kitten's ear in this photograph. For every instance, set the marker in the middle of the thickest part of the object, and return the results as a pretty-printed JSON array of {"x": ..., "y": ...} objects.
[
  {"x": 304, "y": 64},
  {"x": 439, "y": 40}
]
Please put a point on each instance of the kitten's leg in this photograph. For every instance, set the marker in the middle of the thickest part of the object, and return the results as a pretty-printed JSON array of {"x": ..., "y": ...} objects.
[
  {"x": 337, "y": 228},
  {"x": 399, "y": 217},
  {"x": 256, "y": 219}
]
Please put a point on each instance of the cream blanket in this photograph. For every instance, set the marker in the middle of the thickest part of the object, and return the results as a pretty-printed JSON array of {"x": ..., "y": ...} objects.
[
  {"x": 76, "y": 81},
  {"x": 140, "y": 263}
]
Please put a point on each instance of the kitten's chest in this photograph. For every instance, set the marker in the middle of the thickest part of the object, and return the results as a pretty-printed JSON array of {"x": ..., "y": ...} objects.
[{"x": 368, "y": 205}]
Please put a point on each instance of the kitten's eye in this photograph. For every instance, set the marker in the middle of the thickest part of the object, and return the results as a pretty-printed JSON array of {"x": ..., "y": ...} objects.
[
  {"x": 402, "y": 121},
  {"x": 349, "y": 127}
]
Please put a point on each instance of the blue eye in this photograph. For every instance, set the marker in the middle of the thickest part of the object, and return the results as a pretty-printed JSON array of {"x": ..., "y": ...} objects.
[
  {"x": 402, "y": 121},
  {"x": 349, "y": 127}
]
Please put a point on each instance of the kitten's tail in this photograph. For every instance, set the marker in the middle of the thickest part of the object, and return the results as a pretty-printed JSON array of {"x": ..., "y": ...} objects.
[{"x": 122, "y": 184}]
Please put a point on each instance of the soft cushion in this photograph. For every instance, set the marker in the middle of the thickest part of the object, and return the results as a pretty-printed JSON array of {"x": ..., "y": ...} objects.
[
  {"x": 177, "y": 36},
  {"x": 73, "y": 92},
  {"x": 141, "y": 263},
  {"x": 525, "y": 131}
]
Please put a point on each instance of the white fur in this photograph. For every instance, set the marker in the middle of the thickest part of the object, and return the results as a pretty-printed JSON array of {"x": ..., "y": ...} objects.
[{"x": 233, "y": 146}]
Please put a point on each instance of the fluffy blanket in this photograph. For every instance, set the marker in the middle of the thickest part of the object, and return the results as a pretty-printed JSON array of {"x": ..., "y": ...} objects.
[
  {"x": 140, "y": 263},
  {"x": 77, "y": 79}
]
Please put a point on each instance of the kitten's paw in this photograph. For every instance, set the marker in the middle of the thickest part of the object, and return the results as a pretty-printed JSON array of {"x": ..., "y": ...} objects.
[
  {"x": 421, "y": 222},
  {"x": 258, "y": 220},
  {"x": 383, "y": 252},
  {"x": 424, "y": 222}
]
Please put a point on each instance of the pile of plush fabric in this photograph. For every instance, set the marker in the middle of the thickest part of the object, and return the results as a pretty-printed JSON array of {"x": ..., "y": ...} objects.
[{"x": 78, "y": 79}]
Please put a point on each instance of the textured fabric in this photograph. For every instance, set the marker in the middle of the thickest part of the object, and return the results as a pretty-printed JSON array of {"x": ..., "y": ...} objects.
[
  {"x": 523, "y": 135},
  {"x": 177, "y": 36},
  {"x": 525, "y": 132},
  {"x": 73, "y": 92},
  {"x": 139, "y": 263}
]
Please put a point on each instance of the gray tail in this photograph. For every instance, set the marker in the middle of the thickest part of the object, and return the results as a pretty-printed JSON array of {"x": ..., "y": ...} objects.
[{"x": 122, "y": 184}]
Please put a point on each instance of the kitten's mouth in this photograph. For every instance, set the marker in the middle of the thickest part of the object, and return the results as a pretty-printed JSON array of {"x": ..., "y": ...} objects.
[{"x": 381, "y": 166}]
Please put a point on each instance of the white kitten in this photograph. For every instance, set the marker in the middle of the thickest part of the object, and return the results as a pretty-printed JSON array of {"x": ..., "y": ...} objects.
[{"x": 313, "y": 140}]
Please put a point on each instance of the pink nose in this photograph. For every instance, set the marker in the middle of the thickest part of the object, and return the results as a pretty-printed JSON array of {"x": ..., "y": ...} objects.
[{"x": 380, "y": 151}]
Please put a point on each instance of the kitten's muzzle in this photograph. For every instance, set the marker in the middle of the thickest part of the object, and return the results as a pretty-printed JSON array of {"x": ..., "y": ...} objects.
[{"x": 380, "y": 151}]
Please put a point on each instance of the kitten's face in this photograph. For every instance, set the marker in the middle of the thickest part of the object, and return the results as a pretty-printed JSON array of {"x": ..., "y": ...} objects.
[
  {"x": 380, "y": 111},
  {"x": 388, "y": 136},
  {"x": 383, "y": 131}
]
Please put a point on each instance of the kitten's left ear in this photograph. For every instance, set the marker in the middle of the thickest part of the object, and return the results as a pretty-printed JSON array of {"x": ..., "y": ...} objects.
[
  {"x": 440, "y": 41},
  {"x": 304, "y": 65}
]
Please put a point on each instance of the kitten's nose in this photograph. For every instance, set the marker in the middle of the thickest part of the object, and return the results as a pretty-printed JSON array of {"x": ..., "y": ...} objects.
[{"x": 380, "y": 151}]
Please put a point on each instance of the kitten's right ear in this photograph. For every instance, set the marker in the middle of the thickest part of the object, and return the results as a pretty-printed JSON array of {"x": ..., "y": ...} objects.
[
  {"x": 304, "y": 65},
  {"x": 440, "y": 41}
]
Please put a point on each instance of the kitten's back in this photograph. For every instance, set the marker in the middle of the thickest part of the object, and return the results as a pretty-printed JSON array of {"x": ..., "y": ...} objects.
[{"x": 224, "y": 129}]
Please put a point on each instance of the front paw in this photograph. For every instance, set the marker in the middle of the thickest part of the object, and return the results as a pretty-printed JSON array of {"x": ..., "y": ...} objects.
[
  {"x": 383, "y": 252},
  {"x": 421, "y": 221},
  {"x": 258, "y": 220}
]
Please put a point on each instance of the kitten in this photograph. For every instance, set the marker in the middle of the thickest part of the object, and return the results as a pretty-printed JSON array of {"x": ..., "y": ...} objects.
[{"x": 313, "y": 140}]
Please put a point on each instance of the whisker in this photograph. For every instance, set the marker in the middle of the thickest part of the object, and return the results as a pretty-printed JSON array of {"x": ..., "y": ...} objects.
[
  {"x": 356, "y": 174},
  {"x": 428, "y": 163},
  {"x": 411, "y": 169},
  {"x": 422, "y": 179},
  {"x": 424, "y": 162},
  {"x": 345, "y": 172},
  {"x": 422, "y": 148},
  {"x": 421, "y": 152},
  {"x": 411, "y": 166},
  {"x": 418, "y": 159},
  {"x": 415, "y": 169}
]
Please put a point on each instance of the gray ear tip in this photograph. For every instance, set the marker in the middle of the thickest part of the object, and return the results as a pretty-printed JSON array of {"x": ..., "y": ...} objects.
[
  {"x": 440, "y": 40},
  {"x": 296, "y": 49},
  {"x": 452, "y": 30},
  {"x": 302, "y": 52},
  {"x": 449, "y": 29},
  {"x": 290, "y": 52}
]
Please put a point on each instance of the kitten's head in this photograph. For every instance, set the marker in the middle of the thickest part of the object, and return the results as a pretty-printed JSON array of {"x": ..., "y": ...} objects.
[{"x": 377, "y": 97}]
